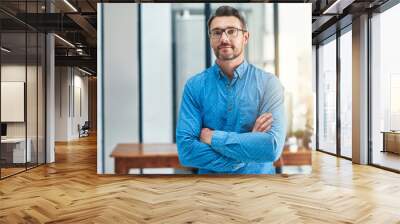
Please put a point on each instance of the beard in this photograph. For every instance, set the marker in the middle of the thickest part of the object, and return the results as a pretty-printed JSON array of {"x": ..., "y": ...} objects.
[{"x": 227, "y": 56}]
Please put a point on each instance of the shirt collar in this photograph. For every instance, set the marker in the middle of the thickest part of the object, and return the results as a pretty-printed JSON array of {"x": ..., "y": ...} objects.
[{"x": 238, "y": 72}]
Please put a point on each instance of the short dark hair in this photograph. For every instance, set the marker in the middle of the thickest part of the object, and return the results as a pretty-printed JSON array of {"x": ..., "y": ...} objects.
[{"x": 227, "y": 11}]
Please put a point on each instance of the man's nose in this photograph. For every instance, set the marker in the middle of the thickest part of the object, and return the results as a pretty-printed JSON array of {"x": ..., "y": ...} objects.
[{"x": 224, "y": 38}]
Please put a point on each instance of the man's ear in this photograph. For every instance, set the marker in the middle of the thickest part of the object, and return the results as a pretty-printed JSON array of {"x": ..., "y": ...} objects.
[{"x": 246, "y": 37}]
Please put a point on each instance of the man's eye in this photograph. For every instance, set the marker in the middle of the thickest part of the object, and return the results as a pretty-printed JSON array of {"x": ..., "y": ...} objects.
[
  {"x": 230, "y": 31},
  {"x": 217, "y": 32}
]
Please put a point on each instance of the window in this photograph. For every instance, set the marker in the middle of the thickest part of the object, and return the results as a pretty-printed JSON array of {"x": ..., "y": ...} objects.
[
  {"x": 385, "y": 85},
  {"x": 22, "y": 77},
  {"x": 346, "y": 94},
  {"x": 327, "y": 96}
]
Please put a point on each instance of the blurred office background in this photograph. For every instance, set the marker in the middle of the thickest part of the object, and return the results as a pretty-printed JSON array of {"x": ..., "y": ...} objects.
[{"x": 172, "y": 45}]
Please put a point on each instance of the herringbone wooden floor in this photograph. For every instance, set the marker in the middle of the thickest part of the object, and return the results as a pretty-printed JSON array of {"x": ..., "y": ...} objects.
[{"x": 70, "y": 191}]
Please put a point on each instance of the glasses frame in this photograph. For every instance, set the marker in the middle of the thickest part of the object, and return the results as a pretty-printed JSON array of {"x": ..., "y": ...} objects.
[{"x": 224, "y": 31}]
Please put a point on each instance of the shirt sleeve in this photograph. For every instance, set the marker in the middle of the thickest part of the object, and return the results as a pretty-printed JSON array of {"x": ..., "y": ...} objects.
[
  {"x": 192, "y": 152},
  {"x": 257, "y": 146}
]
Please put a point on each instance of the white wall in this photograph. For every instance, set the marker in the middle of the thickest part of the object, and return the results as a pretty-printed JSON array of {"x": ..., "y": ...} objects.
[
  {"x": 80, "y": 109},
  {"x": 295, "y": 63},
  {"x": 68, "y": 82},
  {"x": 157, "y": 80},
  {"x": 190, "y": 50},
  {"x": 61, "y": 103},
  {"x": 117, "y": 80},
  {"x": 11, "y": 73}
]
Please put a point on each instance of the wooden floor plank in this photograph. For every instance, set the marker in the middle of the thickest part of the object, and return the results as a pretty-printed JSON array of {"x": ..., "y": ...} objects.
[{"x": 70, "y": 191}]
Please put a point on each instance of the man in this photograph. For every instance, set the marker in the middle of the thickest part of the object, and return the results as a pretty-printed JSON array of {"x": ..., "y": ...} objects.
[{"x": 232, "y": 114}]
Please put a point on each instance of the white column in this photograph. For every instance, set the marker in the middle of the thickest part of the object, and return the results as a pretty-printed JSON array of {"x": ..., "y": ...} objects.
[
  {"x": 118, "y": 81},
  {"x": 157, "y": 80},
  {"x": 360, "y": 90},
  {"x": 100, "y": 146},
  {"x": 50, "y": 100}
]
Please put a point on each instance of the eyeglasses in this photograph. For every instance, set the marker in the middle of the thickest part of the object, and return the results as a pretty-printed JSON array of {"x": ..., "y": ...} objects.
[{"x": 231, "y": 32}]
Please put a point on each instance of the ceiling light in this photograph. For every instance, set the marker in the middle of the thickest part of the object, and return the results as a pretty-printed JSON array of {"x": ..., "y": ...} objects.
[
  {"x": 84, "y": 71},
  {"x": 70, "y": 5},
  {"x": 79, "y": 51},
  {"x": 65, "y": 41},
  {"x": 5, "y": 50},
  {"x": 338, "y": 6}
]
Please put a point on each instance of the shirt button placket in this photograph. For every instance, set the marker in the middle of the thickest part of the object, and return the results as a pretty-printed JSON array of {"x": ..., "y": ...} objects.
[
  {"x": 230, "y": 106},
  {"x": 229, "y": 98}
]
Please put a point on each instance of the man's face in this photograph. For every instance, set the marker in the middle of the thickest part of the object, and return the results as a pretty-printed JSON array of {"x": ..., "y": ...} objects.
[{"x": 228, "y": 47}]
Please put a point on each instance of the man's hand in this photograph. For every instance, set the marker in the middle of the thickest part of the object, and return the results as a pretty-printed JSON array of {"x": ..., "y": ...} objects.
[
  {"x": 206, "y": 135},
  {"x": 263, "y": 123}
]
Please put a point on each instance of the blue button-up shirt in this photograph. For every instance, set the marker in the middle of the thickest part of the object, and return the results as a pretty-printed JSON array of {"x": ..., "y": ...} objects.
[{"x": 230, "y": 108}]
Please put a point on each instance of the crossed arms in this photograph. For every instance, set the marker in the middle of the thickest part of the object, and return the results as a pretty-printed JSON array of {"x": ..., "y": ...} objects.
[{"x": 222, "y": 151}]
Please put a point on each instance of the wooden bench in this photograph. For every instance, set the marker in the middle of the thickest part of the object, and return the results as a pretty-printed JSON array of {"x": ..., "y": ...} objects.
[{"x": 130, "y": 156}]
